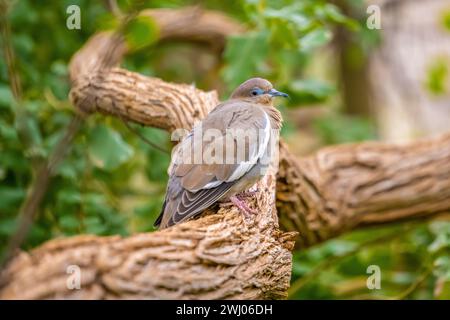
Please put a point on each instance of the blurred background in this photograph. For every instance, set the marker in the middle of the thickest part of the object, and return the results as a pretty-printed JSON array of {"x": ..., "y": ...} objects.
[{"x": 348, "y": 80}]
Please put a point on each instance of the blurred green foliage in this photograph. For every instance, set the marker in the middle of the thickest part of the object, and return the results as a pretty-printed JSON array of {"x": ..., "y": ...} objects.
[
  {"x": 413, "y": 259},
  {"x": 437, "y": 77},
  {"x": 112, "y": 182},
  {"x": 281, "y": 44},
  {"x": 340, "y": 128},
  {"x": 446, "y": 19},
  {"x": 109, "y": 173}
]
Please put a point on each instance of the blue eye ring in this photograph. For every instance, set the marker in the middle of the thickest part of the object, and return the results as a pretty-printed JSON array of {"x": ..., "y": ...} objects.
[{"x": 256, "y": 91}]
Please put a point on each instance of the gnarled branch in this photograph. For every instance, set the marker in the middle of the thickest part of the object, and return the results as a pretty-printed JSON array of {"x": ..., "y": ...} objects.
[
  {"x": 342, "y": 188},
  {"x": 219, "y": 256}
]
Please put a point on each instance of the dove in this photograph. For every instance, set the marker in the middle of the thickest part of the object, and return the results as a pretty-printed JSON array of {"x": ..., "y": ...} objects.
[{"x": 224, "y": 155}]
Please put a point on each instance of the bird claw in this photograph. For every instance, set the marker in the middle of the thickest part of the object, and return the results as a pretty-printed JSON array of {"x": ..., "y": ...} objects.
[
  {"x": 239, "y": 201},
  {"x": 243, "y": 207}
]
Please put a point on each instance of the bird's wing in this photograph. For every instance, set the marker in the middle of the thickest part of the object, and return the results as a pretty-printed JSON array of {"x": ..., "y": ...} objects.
[
  {"x": 181, "y": 204},
  {"x": 195, "y": 185},
  {"x": 233, "y": 137}
]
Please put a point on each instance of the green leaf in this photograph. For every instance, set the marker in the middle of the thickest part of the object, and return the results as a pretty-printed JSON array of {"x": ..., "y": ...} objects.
[
  {"x": 141, "y": 32},
  {"x": 441, "y": 230},
  {"x": 333, "y": 14},
  {"x": 440, "y": 227},
  {"x": 32, "y": 124},
  {"x": 68, "y": 171},
  {"x": 285, "y": 25},
  {"x": 94, "y": 225},
  {"x": 107, "y": 150},
  {"x": 69, "y": 222},
  {"x": 290, "y": 15},
  {"x": 243, "y": 54},
  {"x": 437, "y": 77},
  {"x": 107, "y": 21},
  {"x": 314, "y": 39},
  {"x": 69, "y": 197},
  {"x": 10, "y": 198},
  {"x": 337, "y": 128},
  {"x": 310, "y": 90},
  {"x": 283, "y": 35},
  {"x": 59, "y": 68},
  {"x": 442, "y": 267},
  {"x": 446, "y": 20},
  {"x": 6, "y": 97},
  {"x": 8, "y": 132},
  {"x": 8, "y": 226}
]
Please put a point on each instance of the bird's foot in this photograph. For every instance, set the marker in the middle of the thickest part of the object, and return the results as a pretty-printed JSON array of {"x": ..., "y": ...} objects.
[{"x": 243, "y": 206}]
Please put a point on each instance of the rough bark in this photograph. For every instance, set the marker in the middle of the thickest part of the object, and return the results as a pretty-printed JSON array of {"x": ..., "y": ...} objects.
[
  {"x": 220, "y": 255},
  {"x": 342, "y": 188},
  {"x": 147, "y": 101}
]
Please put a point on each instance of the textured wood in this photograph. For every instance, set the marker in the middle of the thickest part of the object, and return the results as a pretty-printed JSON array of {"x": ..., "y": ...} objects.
[
  {"x": 219, "y": 256},
  {"x": 137, "y": 98},
  {"x": 346, "y": 187}
]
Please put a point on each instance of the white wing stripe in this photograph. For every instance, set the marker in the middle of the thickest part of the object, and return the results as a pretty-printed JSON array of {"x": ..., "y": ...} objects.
[
  {"x": 244, "y": 167},
  {"x": 212, "y": 184}
]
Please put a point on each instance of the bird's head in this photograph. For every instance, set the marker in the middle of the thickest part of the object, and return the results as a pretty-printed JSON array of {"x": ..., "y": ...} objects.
[{"x": 257, "y": 90}]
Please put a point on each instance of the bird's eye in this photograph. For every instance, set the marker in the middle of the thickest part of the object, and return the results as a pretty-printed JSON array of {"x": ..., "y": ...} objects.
[{"x": 256, "y": 91}]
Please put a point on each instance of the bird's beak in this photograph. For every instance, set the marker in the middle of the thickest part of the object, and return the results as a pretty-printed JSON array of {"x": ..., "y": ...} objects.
[{"x": 276, "y": 93}]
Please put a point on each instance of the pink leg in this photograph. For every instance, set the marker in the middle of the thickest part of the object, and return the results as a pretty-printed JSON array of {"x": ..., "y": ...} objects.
[{"x": 242, "y": 206}]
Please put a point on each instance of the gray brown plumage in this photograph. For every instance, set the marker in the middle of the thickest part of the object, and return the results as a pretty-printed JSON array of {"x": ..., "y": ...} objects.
[{"x": 194, "y": 186}]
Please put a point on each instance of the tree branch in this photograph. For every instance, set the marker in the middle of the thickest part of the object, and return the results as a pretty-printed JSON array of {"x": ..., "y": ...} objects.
[
  {"x": 347, "y": 187},
  {"x": 219, "y": 256}
]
